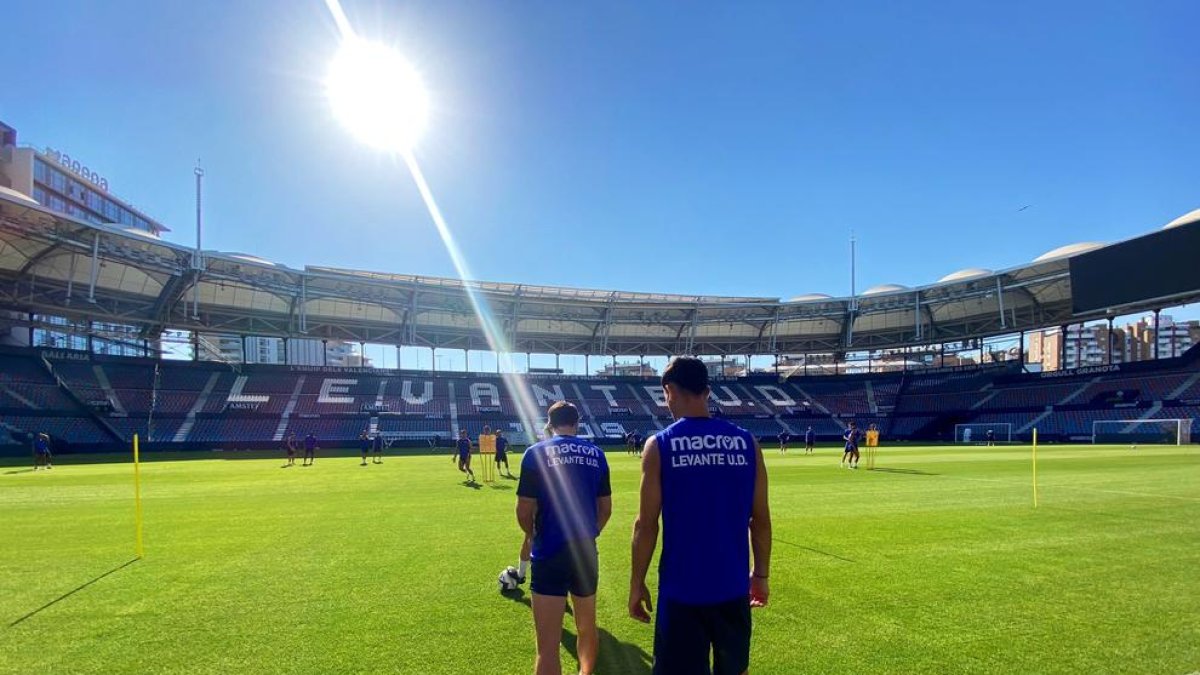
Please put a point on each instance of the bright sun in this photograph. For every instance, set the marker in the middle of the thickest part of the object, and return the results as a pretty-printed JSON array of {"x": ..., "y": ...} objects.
[{"x": 377, "y": 95}]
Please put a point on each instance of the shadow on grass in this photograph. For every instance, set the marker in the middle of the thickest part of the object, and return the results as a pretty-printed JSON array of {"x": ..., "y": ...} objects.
[
  {"x": 73, "y": 591},
  {"x": 615, "y": 656},
  {"x": 9, "y": 473},
  {"x": 520, "y": 596},
  {"x": 814, "y": 550},
  {"x": 471, "y": 484},
  {"x": 906, "y": 472}
]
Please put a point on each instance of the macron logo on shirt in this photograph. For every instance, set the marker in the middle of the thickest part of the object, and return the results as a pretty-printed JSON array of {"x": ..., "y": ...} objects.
[
  {"x": 560, "y": 454},
  {"x": 708, "y": 442},
  {"x": 719, "y": 443}
]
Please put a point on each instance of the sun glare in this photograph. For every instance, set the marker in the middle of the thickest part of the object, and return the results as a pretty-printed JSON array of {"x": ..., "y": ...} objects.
[{"x": 377, "y": 95}]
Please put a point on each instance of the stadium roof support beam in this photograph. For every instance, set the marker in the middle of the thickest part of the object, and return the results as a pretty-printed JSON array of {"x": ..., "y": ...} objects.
[
  {"x": 514, "y": 318},
  {"x": 774, "y": 336},
  {"x": 95, "y": 269},
  {"x": 690, "y": 348},
  {"x": 409, "y": 328},
  {"x": 172, "y": 292},
  {"x": 1000, "y": 300}
]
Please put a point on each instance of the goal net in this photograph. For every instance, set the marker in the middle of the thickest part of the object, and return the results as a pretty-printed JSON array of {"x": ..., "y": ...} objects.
[
  {"x": 978, "y": 434},
  {"x": 1153, "y": 431}
]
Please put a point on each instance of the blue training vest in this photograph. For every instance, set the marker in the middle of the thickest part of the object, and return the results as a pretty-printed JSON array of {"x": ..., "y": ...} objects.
[{"x": 708, "y": 473}]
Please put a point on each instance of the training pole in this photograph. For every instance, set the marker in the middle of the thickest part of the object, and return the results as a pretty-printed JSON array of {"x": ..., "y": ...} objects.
[
  {"x": 1035, "y": 495},
  {"x": 137, "y": 496}
]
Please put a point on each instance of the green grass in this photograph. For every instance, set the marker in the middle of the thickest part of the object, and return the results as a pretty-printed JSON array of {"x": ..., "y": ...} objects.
[{"x": 940, "y": 566}]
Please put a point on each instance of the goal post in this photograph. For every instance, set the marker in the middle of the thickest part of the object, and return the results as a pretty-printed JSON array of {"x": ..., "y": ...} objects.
[
  {"x": 1148, "y": 432},
  {"x": 977, "y": 433}
]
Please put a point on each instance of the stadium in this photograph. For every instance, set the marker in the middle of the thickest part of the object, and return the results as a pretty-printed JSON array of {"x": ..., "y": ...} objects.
[
  {"x": 1028, "y": 500},
  {"x": 64, "y": 274}
]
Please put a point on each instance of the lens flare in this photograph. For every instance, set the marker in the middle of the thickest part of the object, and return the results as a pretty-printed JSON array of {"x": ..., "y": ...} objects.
[
  {"x": 527, "y": 409},
  {"x": 382, "y": 101}
]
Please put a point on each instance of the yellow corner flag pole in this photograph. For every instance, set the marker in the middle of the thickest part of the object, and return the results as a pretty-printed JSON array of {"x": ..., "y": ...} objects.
[
  {"x": 1035, "y": 495},
  {"x": 137, "y": 495}
]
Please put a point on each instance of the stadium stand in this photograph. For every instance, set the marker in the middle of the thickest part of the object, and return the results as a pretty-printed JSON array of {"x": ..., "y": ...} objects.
[{"x": 98, "y": 402}]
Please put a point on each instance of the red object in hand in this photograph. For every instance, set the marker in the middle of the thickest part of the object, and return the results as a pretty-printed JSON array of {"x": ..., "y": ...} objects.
[{"x": 760, "y": 591}]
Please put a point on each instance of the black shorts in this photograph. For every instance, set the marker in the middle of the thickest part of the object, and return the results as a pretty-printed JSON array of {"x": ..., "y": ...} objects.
[
  {"x": 685, "y": 635},
  {"x": 501, "y": 456},
  {"x": 575, "y": 569}
]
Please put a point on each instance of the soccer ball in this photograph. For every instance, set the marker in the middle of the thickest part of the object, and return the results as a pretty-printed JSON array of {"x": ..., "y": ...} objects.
[{"x": 508, "y": 580}]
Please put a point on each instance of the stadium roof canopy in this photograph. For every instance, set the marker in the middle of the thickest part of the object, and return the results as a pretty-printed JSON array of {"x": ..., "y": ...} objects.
[{"x": 51, "y": 264}]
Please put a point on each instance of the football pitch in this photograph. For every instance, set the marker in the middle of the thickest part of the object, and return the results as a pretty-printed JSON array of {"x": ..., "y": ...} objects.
[{"x": 935, "y": 562}]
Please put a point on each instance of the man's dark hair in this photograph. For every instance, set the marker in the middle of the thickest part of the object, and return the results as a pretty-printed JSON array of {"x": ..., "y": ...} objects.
[
  {"x": 688, "y": 373},
  {"x": 563, "y": 414}
]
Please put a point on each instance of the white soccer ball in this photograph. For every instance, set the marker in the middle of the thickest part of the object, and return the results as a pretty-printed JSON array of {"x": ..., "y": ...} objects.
[{"x": 508, "y": 580}]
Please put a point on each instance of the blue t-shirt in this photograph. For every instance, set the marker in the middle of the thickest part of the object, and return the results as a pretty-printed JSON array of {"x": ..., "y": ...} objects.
[
  {"x": 851, "y": 438},
  {"x": 708, "y": 469},
  {"x": 566, "y": 475},
  {"x": 501, "y": 444},
  {"x": 464, "y": 446},
  {"x": 40, "y": 445},
  {"x": 809, "y": 436}
]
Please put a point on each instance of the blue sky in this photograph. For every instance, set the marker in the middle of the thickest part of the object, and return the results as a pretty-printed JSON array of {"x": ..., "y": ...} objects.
[{"x": 721, "y": 148}]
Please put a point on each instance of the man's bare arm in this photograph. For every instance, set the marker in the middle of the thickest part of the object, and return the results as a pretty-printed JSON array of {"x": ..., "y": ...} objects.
[
  {"x": 760, "y": 534},
  {"x": 526, "y": 511},
  {"x": 603, "y": 511},
  {"x": 645, "y": 532}
]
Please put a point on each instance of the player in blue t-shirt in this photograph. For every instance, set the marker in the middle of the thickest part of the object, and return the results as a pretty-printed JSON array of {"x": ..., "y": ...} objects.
[
  {"x": 810, "y": 438},
  {"x": 462, "y": 454},
  {"x": 41, "y": 452},
  {"x": 784, "y": 437},
  {"x": 563, "y": 502},
  {"x": 377, "y": 446},
  {"x": 706, "y": 478},
  {"x": 502, "y": 454},
  {"x": 850, "y": 454},
  {"x": 310, "y": 450},
  {"x": 289, "y": 447},
  {"x": 364, "y": 444}
]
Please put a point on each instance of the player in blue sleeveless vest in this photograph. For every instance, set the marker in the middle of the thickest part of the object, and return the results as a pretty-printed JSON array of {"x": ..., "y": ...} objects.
[
  {"x": 563, "y": 502},
  {"x": 705, "y": 477}
]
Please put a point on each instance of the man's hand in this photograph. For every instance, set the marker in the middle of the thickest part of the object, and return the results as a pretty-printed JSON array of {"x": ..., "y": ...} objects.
[
  {"x": 640, "y": 604},
  {"x": 760, "y": 591}
]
